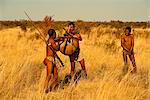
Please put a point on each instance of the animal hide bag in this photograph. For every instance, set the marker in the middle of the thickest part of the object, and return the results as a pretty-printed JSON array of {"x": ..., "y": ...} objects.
[{"x": 67, "y": 47}]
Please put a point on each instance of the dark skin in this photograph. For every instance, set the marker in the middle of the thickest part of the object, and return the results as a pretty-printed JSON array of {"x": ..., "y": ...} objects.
[
  {"x": 50, "y": 66},
  {"x": 127, "y": 43},
  {"x": 76, "y": 38}
]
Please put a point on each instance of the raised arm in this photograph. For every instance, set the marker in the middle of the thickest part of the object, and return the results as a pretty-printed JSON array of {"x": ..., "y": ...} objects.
[
  {"x": 78, "y": 37},
  {"x": 54, "y": 45}
]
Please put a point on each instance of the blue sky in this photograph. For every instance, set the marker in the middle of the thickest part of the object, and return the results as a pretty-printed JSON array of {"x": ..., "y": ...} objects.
[{"x": 88, "y": 10}]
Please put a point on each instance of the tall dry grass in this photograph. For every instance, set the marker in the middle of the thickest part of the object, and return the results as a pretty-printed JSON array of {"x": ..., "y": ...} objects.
[{"x": 22, "y": 72}]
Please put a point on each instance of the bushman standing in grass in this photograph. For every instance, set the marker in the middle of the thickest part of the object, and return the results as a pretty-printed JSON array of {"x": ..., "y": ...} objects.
[
  {"x": 127, "y": 43},
  {"x": 49, "y": 61}
]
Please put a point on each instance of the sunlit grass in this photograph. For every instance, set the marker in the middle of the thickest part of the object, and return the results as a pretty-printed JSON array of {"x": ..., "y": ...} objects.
[{"x": 22, "y": 72}]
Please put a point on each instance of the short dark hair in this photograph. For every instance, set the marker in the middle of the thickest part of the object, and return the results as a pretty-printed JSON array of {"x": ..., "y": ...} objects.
[
  {"x": 51, "y": 32},
  {"x": 71, "y": 23},
  {"x": 128, "y": 28}
]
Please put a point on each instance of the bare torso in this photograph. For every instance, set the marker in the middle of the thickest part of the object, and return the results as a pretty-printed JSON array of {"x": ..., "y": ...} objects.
[
  {"x": 127, "y": 41},
  {"x": 54, "y": 45}
]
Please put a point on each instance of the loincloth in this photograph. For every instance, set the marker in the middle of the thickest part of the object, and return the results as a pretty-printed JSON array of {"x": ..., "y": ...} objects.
[
  {"x": 75, "y": 55},
  {"x": 50, "y": 59}
]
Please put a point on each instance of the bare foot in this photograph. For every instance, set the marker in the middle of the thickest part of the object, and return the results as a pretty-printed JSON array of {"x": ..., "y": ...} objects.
[
  {"x": 134, "y": 70},
  {"x": 47, "y": 90}
]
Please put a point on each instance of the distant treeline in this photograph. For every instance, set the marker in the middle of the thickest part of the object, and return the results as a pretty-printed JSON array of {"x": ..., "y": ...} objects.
[{"x": 79, "y": 23}]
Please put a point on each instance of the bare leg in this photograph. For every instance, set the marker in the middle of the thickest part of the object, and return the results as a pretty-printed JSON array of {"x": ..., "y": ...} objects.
[
  {"x": 48, "y": 76},
  {"x": 72, "y": 68},
  {"x": 82, "y": 63},
  {"x": 55, "y": 79},
  {"x": 132, "y": 59},
  {"x": 125, "y": 68}
]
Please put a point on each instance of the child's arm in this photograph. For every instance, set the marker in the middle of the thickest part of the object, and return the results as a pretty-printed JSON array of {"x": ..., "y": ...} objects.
[
  {"x": 132, "y": 43},
  {"x": 122, "y": 43}
]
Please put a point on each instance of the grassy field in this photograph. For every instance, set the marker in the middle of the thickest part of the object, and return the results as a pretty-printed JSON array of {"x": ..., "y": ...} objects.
[{"x": 22, "y": 73}]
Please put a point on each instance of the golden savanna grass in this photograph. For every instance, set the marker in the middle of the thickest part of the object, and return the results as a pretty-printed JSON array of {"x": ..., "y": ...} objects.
[{"x": 22, "y": 72}]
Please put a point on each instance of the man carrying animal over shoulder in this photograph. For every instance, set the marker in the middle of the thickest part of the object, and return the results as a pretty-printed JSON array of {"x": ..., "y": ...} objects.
[{"x": 75, "y": 37}]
